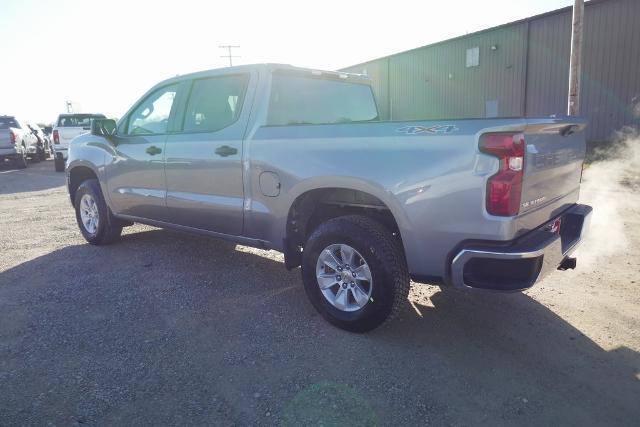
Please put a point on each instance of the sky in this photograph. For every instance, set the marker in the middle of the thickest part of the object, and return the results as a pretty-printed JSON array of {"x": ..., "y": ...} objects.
[{"x": 103, "y": 55}]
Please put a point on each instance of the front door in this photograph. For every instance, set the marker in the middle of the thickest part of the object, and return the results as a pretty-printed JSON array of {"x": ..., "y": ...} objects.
[
  {"x": 203, "y": 160},
  {"x": 135, "y": 175}
]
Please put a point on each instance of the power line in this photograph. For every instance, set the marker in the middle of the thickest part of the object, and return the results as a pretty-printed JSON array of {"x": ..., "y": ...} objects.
[{"x": 229, "y": 55}]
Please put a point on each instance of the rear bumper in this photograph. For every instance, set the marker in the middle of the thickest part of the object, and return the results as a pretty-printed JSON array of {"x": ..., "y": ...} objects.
[
  {"x": 519, "y": 264},
  {"x": 8, "y": 152},
  {"x": 60, "y": 153}
]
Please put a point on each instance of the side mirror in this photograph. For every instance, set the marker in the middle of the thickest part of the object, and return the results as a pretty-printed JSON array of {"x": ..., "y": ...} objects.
[{"x": 103, "y": 127}]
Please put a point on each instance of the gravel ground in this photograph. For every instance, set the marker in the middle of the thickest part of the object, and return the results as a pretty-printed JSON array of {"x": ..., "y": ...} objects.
[{"x": 166, "y": 328}]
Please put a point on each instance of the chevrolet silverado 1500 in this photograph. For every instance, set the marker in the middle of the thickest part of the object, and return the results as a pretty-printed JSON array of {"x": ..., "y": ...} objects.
[
  {"x": 296, "y": 160},
  {"x": 17, "y": 141}
]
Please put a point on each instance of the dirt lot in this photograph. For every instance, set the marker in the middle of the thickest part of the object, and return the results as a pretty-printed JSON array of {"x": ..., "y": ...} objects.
[{"x": 166, "y": 328}]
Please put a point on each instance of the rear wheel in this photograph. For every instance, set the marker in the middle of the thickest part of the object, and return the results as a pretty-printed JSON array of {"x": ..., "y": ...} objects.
[
  {"x": 59, "y": 164},
  {"x": 97, "y": 223},
  {"x": 354, "y": 273},
  {"x": 21, "y": 160}
]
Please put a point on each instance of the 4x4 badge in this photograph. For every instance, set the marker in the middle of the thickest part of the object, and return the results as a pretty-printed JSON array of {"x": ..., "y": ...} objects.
[{"x": 414, "y": 130}]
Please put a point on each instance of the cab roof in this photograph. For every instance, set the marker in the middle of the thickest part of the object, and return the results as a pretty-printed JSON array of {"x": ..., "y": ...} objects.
[{"x": 269, "y": 67}]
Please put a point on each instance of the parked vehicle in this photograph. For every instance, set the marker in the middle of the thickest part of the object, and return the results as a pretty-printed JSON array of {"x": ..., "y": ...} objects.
[
  {"x": 68, "y": 126},
  {"x": 17, "y": 141},
  {"x": 296, "y": 160},
  {"x": 44, "y": 149}
]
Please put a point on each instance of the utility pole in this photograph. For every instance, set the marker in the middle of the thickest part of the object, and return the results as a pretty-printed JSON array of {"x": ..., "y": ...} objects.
[
  {"x": 229, "y": 55},
  {"x": 575, "y": 65},
  {"x": 69, "y": 106}
]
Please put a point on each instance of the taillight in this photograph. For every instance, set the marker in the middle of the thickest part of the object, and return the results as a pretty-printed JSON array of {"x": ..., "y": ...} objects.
[
  {"x": 504, "y": 189},
  {"x": 56, "y": 136},
  {"x": 13, "y": 137}
]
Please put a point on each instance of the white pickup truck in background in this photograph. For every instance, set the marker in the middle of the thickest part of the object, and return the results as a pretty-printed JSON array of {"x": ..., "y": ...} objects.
[{"x": 68, "y": 126}]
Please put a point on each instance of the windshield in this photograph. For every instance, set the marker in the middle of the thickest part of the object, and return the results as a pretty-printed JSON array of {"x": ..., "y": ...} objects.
[
  {"x": 78, "y": 120},
  {"x": 309, "y": 100},
  {"x": 8, "y": 122}
]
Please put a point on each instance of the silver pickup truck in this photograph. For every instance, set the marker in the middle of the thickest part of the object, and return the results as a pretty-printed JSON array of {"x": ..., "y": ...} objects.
[
  {"x": 296, "y": 160},
  {"x": 17, "y": 142}
]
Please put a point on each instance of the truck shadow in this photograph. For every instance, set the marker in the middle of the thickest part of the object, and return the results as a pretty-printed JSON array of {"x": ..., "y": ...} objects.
[{"x": 127, "y": 316}]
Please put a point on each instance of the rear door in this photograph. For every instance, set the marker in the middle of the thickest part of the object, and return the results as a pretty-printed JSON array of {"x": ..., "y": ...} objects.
[
  {"x": 204, "y": 158},
  {"x": 135, "y": 175}
]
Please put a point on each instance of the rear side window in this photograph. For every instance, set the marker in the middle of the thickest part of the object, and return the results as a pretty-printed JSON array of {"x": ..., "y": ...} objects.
[
  {"x": 8, "y": 122},
  {"x": 214, "y": 103},
  {"x": 308, "y": 100},
  {"x": 78, "y": 120}
]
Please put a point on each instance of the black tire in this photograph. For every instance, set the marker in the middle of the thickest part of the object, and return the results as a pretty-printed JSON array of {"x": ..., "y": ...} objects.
[
  {"x": 59, "y": 164},
  {"x": 109, "y": 227},
  {"x": 21, "y": 161},
  {"x": 385, "y": 257}
]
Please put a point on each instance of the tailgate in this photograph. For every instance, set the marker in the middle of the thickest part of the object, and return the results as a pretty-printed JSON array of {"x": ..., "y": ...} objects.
[
  {"x": 68, "y": 133},
  {"x": 5, "y": 139},
  {"x": 555, "y": 150}
]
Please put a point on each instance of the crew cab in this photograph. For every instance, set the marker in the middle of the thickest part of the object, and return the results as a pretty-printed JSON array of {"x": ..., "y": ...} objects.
[
  {"x": 296, "y": 160},
  {"x": 68, "y": 126},
  {"x": 17, "y": 141}
]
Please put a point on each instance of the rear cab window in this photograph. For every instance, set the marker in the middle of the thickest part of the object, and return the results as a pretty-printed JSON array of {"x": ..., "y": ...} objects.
[
  {"x": 8, "y": 122},
  {"x": 300, "y": 99},
  {"x": 77, "y": 120}
]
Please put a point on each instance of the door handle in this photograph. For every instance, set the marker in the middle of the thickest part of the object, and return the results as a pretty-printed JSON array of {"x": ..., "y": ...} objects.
[
  {"x": 225, "y": 151},
  {"x": 153, "y": 150}
]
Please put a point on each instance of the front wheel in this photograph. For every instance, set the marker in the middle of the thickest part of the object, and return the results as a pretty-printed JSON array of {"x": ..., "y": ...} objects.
[
  {"x": 97, "y": 223},
  {"x": 354, "y": 273}
]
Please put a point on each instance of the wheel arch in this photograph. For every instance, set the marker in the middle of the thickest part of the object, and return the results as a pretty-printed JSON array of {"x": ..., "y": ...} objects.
[
  {"x": 318, "y": 201},
  {"x": 77, "y": 174}
]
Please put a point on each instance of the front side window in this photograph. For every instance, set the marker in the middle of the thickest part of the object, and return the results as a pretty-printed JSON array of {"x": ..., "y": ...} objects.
[
  {"x": 308, "y": 100},
  {"x": 214, "y": 103},
  {"x": 151, "y": 117}
]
